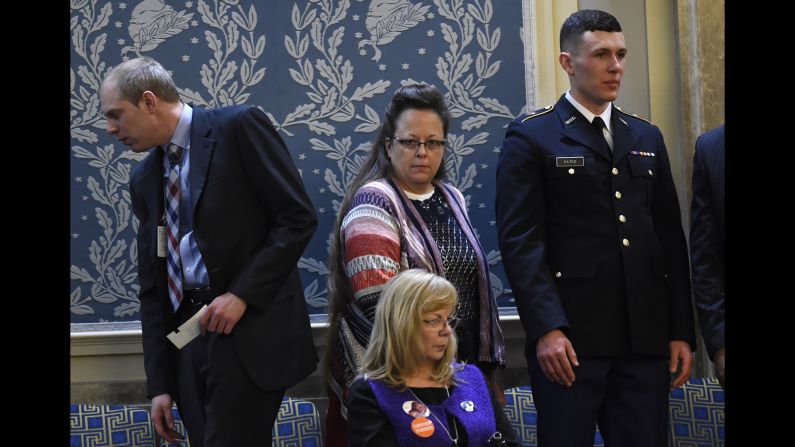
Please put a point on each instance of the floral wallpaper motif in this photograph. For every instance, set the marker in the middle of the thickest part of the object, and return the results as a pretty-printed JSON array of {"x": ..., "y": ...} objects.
[{"x": 323, "y": 71}]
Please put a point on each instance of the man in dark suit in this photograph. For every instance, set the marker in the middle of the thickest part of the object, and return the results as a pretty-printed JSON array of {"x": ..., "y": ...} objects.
[
  {"x": 591, "y": 240},
  {"x": 707, "y": 242},
  {"x": 223, "y": 219}
]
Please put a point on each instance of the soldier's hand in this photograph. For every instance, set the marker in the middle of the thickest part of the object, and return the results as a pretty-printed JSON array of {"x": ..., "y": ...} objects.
[
  {"x": 682, "y": 359},
  {"x": 556, "y": 357}
]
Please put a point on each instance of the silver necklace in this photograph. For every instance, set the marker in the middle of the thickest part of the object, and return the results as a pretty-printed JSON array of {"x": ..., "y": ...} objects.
[{"x": 455, "y": 426}]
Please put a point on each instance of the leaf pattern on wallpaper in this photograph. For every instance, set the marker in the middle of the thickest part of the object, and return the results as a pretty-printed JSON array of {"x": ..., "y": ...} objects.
[
  {"x": 114, "y": 261},
  {"x": 88, "y": 43},
  {"x": 329, "y": 79},
  {"x": 456, "y": 149},
  {"x": 151, "y": 23},
  {"x": 220, "y": 74},
  {"x": 326, "y": 101},
  {"x": 112, "y": 275},
  {"x": 386, "y": 19},
  {"x": 465, "y": 89}
]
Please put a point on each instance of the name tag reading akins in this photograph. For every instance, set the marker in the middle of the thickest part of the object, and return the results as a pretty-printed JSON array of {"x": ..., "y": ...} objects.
[
  {"x": 566, "y": 162},
  {"x": 422, "y": 427}
]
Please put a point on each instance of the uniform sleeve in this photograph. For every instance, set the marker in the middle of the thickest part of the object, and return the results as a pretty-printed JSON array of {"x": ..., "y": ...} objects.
[
  {"x": 520, "y": 212},
  {"x": 367, "y": 425},
  {"x": 706, "y": 256}
]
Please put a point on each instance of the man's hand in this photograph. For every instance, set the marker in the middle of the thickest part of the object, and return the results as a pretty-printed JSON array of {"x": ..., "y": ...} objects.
[
  {"x": 720, "y": 366},
  {"x": 680, "y": 351},
  {"x": 223, "y": 314},
  {"x": 556, "y": 355},
  {"x": 164, "y": 419}
]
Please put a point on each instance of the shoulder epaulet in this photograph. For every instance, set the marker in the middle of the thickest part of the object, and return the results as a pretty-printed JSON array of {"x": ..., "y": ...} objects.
[
  {"x": 539, "y": 112},
  {"x": 634, "y": 115}
]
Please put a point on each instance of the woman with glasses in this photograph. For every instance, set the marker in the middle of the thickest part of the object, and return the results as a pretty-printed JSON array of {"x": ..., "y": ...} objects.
[
  {"x": 399, "y": 214},
  {"x": 411, "y": 391}
]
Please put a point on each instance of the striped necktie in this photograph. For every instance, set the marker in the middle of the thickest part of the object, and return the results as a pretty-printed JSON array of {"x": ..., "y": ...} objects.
[{"x": 173, "y": 267}]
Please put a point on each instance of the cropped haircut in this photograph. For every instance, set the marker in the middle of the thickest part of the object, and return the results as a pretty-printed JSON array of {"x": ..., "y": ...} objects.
[{"x": 578, "y": 23}]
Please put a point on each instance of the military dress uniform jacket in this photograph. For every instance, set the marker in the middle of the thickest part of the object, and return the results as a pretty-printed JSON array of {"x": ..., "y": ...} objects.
[{"x": 592, "y": 241}]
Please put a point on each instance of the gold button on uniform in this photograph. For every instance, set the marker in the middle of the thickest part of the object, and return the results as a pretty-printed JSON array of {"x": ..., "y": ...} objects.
[
  {"x": 558, "y": 275},
  {"x": 618, "y": 194},
  {"x": 625, "y": 242},
  {"x": 571, "y": 170},
  {"x": 614, "y": 171},
  {"x": 622, "y": 218}
]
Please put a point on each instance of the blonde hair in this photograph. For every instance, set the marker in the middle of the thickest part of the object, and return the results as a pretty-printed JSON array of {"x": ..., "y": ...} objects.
[{"x": 396, "y": 349}]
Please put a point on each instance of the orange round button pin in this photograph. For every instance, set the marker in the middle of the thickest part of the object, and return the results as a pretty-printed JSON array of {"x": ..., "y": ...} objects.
[{"x": 422, "y": 427}]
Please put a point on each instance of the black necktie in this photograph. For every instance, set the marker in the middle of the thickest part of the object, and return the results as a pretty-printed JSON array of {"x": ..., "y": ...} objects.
[{"x": 600, "y": 125}]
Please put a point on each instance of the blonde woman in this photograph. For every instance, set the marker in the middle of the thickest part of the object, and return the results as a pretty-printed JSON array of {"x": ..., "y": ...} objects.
[{"x": 409, "y": 364}]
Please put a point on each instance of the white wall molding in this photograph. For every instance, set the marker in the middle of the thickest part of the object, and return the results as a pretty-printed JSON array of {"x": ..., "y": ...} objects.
[{"x": 107, "y": 366}]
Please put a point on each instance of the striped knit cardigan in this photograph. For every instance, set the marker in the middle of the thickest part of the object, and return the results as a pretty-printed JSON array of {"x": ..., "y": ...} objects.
[{"x": 380, "y": 233}]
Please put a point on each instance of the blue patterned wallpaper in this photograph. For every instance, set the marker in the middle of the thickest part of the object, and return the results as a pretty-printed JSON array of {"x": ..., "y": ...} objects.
[{"x": 323, "y": 70}]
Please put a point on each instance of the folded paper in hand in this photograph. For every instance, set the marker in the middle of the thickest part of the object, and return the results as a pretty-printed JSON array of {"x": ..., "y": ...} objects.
[{"x": 188, "y": 330}]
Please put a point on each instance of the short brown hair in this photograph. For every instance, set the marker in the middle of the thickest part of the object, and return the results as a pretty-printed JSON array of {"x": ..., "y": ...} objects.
[{"x": 135, "y": 76}]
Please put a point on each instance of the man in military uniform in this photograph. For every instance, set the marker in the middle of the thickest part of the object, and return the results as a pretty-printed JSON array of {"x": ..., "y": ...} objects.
[{"x": 592, "y": 243}]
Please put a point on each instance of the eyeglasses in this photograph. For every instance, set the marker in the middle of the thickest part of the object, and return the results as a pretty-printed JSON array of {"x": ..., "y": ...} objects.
[
  {"x": 413, "y": 145},
  {"x": 452, "y": 322}
]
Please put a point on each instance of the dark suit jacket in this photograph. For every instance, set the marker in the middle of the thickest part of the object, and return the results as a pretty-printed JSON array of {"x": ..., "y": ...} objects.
[
  {"x": 707, "y": 237},
  {"x": 562, "y": 237},
  {"x": 252, "y": 220}
]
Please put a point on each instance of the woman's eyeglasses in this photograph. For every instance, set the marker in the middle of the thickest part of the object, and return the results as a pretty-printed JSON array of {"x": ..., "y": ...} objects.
[
  {"x": 452, "y": 322},
  {"x": 413, "y": 145}
]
